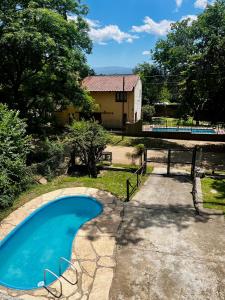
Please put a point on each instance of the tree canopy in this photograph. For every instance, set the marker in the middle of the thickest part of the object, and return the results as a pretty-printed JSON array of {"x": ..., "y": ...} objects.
[
  {"x": 43, "y": 45},
  {"x": 152, "y": 81},
  {"x": 193, "y": 56}
]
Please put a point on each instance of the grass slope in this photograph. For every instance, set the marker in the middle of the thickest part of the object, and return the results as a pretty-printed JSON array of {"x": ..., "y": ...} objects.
[
  {"x": 110, "y": 181},
  {"x": 213, "y": 193}
]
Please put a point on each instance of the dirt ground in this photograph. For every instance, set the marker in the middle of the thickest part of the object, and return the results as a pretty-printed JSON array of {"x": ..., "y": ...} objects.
[{"x": 205, "y": 159}]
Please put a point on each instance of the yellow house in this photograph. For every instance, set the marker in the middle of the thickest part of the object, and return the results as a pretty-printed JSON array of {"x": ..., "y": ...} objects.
[{"x": 119, "y": 100}]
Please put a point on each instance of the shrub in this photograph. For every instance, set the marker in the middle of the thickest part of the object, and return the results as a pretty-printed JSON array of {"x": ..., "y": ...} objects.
[
  {"x": 148, "y": 112},
  {"x": 14, "y": 146},
  {"x": 47, "y": 157},
  {"x": 88, "y": 141}
]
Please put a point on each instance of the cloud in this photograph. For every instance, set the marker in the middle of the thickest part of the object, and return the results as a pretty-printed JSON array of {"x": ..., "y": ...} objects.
[
  {"x": 93, "y": 23},
  {"x": 102, "y": 35},
  {"x": 150, "y": 26},
  {"x": 161, "y": 28},
  {"x": 146, "y": 52},
  {"x": 179, "y": 3},
  {"x": 190, "y": 17},
  {"x": 201, "y": 4}
]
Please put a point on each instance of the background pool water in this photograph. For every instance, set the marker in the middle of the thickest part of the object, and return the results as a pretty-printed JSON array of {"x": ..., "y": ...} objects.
[
  {"x": 184, "y": 129},
  {"x": 40, "y": 241}
]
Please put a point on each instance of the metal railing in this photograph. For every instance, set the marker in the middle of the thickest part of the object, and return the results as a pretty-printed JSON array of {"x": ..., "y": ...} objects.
[
  {"x": 169, "y": 160},
  {"x": 45, "y": 283},
  {"x": 72, "y": 267},
  {"x": 131, "y": 188}
]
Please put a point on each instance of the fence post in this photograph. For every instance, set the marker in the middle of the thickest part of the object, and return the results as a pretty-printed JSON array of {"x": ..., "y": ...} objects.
[
  {"x": 193, "y": 165},
  {"x": 168, "y": 162},
  {"x": 137, "y": 179},
  {"x": 128, "y": 192},
  {"x": 145, "y": 155},
  {"x": 145, "y": 168}
]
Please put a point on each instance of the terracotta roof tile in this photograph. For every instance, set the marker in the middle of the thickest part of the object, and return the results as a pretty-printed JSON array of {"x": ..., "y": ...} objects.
[{"x": 110, "y": 83}]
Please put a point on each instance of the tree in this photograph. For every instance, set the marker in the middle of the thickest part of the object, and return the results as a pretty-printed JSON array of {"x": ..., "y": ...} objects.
[
  {"x": 42, "y": 58},
  {"x": 193, "y": 55},
  {"x": 88, "y": 141},
  {"x": 152, "y": 81},
  {"x": 14, "y": 146},
  {"x": 148, "y": 112}
]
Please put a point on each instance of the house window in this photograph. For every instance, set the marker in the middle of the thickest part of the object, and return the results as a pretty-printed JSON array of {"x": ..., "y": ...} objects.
[{"x": 121, "y": 96}]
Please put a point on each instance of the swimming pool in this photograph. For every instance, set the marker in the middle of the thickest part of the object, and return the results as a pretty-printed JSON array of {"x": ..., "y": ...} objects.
[
  {"x": 184, "y": 129},
  {"x": 41, "y": 239}
]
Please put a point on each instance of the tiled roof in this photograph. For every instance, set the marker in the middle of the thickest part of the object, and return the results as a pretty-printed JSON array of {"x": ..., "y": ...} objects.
[{"x": 110, "y": 83}]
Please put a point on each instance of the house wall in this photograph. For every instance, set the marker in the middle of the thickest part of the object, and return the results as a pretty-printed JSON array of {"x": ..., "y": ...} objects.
[
  {"x": 111, "y": 111},
  {"x": 138, "y": 101}
]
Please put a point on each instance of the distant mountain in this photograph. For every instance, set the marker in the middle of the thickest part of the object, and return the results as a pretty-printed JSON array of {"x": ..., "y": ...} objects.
[{"x": 112, "y": 70}]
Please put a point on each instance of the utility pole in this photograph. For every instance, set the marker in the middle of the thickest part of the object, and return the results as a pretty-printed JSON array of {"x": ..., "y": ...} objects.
[{"x": 123, "y": 100}]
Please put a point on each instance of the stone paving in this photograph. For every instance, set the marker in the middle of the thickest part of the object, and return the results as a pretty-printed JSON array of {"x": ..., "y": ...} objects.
[
  {"x": 93, "y": 249},
  {"x": 164, "y": 250}
]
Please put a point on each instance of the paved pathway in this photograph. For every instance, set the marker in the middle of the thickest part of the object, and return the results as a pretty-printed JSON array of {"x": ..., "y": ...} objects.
[{"x": 165, "y": 251}]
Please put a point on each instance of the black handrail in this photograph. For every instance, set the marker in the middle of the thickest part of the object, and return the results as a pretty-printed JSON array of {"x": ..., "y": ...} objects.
[{"x": 139, "y": 173}]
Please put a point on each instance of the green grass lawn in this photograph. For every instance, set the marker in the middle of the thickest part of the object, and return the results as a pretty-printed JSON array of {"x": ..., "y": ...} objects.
[
  {"x": 110, "y": 181},
  {"x": 213, "y": 193}
]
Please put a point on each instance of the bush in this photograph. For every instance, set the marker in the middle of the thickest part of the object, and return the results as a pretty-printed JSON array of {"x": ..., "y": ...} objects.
[
  {"x": 14, "y": 146},
  {"x": 47, "y": 157},
  {"x": 148, "y": 112},
  {"x": 88, "y": 141}
]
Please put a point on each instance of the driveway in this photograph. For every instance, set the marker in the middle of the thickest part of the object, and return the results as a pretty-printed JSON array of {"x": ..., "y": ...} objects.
[{"x": 164, "y": 250}]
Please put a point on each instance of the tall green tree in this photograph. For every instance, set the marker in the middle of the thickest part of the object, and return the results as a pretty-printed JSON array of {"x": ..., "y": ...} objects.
[
  {"x": 152, "y": 81},
  {"x": 193, "y": 54},
  {"x": 42, "y": 57}
]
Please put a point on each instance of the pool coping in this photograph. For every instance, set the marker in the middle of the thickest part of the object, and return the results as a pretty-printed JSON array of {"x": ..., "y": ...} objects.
[{"x": 93, "y": 250}]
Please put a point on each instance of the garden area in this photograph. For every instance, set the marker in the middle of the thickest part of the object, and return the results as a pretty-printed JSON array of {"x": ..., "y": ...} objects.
[{"x": 32, "y": 165}]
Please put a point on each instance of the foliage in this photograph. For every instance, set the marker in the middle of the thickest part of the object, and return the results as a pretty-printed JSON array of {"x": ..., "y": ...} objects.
[
  {"x": 14, "y": 146},
  {"x": 46, "y": 157},
  {"x": 88, "y": 140},
  {"x": 138, "y": 151},
  {"x": 152, "y": 81},
  {"x": 148, "y": 112},
  {"x": 193, "y": 55},
  {"x": 42, "y": 57},
  {"x": 165, "y": 95}
]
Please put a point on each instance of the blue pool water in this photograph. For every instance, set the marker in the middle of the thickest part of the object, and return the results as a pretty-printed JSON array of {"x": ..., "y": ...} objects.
[
  {"x": 41, "y": 239},
  {"x": 184, "y": 129}
]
